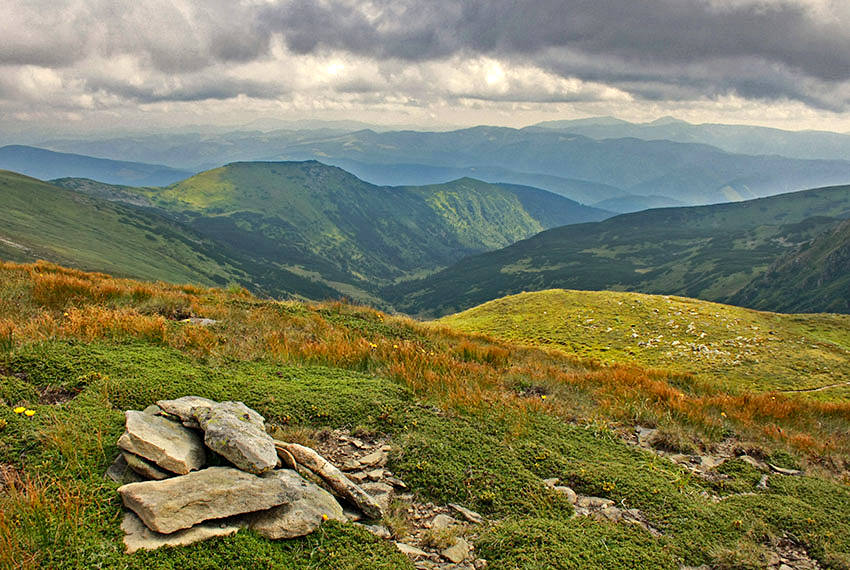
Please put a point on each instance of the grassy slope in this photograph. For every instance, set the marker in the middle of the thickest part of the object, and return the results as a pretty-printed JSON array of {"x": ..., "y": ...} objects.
[
  {"x": 48, "y": 222},
  {"x": 813, "y": 277},
  {"x": 740, "y": 348},
  {"x": 42, "y": 221},
  {"x": 457, "y": 408},
  {"x": 708, "y": 252},
  {"x": 326, "y": 220}
]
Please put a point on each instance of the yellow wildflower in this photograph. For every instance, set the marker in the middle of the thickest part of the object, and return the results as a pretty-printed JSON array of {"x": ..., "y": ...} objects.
[
  {"x": 324, "y": 517},
  {"x": 29, "y": 413},
  {"x": 19, "y": 410},
  {"x": 723, "y": 414},
  {"x": 543, "y": 396}
]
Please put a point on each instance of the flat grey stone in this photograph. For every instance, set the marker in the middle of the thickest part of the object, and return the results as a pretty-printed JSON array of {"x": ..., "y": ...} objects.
[
  {"x": 145, "y": 468},
  {"x": 374, "y": 459},
  {"x": 311, "y": 507},
  {"x": 784, "y": 471},
  {"x": 162, "y": 441},
  {"x": 237, "y": 433},
  {"x": 182, "y": 408},
  {"x": 213, "y": 493},
  {"x": 139, "y": 537},
  {"x": 411, "y": 551},
  {"x": 568, "y": 492},
  {"x": 594, "y": 502}
]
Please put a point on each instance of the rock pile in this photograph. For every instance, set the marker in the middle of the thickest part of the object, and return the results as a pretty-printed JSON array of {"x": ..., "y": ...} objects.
[{"x": 175, "y": 496}]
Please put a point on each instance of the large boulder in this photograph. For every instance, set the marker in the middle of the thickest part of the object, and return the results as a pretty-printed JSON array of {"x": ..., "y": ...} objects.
[
  {"x": 300, "y": 517},
  {"x": 238, "y": 434},
  {"x": 214, "y": 493},
  {"x": 162, "y": 441}
]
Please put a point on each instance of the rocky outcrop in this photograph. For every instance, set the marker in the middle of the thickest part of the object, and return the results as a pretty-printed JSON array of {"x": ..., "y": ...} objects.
[{"x": 139, "y": 537}]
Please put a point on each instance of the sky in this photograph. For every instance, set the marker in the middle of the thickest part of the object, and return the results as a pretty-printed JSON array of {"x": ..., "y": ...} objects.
[{"x": 96, "y": 65}]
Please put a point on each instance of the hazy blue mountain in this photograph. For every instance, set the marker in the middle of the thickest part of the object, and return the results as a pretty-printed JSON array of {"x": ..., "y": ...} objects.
[
  {"x": 47, "y": 164},
  {"x": 743, "y": 139}
]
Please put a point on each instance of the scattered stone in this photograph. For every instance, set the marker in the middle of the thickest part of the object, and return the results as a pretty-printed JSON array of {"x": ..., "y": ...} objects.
[
  {"x": 458, "y": 552},
  {"x": 358, "y": 477},
  {"x": 375, "y": 459},
  {"x": 381, "y": 493},
  {"x": 238, "y": 435},
  {"x": 153, "y": 410},
  {"x": 594, "y": 502},
  {"x": 312, "y": 506},
  {"x": 350, "y": 465},
  {"x": 216, "y": 492},
  {"x": 763, "y": 482},
  {"x": 145, "y": 468},
  {"x": 375, "y": 474},
  {"x": 784, "y": 471},
  {"x": 139, "y": 537},
  {"x": 182, "y": 408},
  {"x": 443, "y": 521},
  {"x": 396, "y": 482},
  {"x": 166, "y": 443},
  {"x": 551, "y": 482},
  {"x": 378, "y": 530},
  {"x": 571, "y": 495},
  {"x": 120, "y": 472},
  {"x": 357, "y": 443},
  {"x": 469, "y": 515},
  {"x": 411, "y": 551},
  {"x": 200, "y": 321}
]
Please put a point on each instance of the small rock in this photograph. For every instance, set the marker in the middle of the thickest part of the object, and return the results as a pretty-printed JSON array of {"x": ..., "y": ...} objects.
[
  {"x": 571, "y": 495},
  {"x": 763, "y": 482},
  {"x": 378, "y": 530},
  {"x": 350, "y": 465},
  {"x": 144, "y": 468},
  {"x": 153, "y": 410},
  {"x": 301, "y": 516},
  {"x": 442, "y": 522},
  {"x": 411, "y": 551},
  {"x": 469, "y": 515},
  {"x": 386, "y": 448},
  {"x": 480, "y": 564},
  {"x": 358, "y": 477},
  {"x": 357, "y": 443},
  {"x": 396, "y": 482},
  {"x": 551, "y": 482},
  {"x": 612, "y": 514},
  {"x": 375, "y": 474},
  {"x": 200, "y": 321},
  {"x": 166, "y": 443},
  {"x": 139, "y": 537},
  {"x": 594, "y": 502},
  {"x": 213, "y": 493},
  {"x": 457, "y": 552},
  {"x": 374, "y": 459},
  {"x": 236, "y": 432},
  {"x": 380, "y": 492}
]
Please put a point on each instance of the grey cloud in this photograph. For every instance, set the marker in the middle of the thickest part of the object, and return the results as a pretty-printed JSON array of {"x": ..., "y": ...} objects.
[{"x": 696, "y": 42}]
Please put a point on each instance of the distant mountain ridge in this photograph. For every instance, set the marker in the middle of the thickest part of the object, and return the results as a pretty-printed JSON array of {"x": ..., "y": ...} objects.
[
  {"x": 741, "y": 139},
  {"x": 707, "y": 252},
  {"x": 46, "y": 164}
]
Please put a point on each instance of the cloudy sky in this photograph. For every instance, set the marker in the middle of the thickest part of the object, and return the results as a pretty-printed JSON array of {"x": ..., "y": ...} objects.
[{"x": 92, "y": 64}]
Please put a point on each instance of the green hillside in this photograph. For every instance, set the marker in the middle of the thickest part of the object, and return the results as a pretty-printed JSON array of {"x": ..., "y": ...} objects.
[
  {"x": 326, "y": 222},
  {"x": 708, "y": 252},
  {"x": 478, "y": 422},
  {"x": 742, "y": 349},
  {"x": 814, "y": 277},
  {"x": 43, "y": 221}
]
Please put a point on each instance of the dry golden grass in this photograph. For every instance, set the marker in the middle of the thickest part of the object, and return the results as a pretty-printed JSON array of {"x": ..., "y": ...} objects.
[{"x": 456, "y": 370}]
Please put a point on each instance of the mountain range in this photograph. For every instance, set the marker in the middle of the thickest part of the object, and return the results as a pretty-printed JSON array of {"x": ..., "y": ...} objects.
[{"x": 629, "y": 170}]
